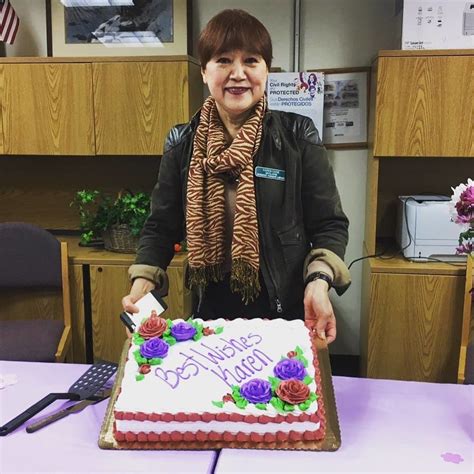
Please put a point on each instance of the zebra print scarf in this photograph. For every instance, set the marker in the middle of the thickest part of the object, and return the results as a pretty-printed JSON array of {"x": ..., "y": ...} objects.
[{"x": 213, "y": 162}]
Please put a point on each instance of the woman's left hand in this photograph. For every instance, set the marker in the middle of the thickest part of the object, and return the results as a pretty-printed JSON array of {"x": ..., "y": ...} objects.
[{"x": 318, "y": 312}]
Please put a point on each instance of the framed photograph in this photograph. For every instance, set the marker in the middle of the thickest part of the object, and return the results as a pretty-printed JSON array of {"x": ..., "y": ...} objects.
[
  {"x": 129, "y": 28},
  {"x": 346, "y": 105}
]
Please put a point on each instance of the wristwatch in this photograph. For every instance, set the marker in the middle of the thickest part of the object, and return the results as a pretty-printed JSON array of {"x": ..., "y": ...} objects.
[{"x": 318, "y": 276}]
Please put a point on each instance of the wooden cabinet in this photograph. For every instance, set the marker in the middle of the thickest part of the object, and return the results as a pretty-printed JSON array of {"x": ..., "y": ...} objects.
[
  {"x": 108, "y": 285},
  {"x": 425, "y": 105},
  {"x": 136, "y": 104},
  {"x": 47, "y": 109},
  {"x": 89, "y": 106},
  {"x": 412, "y": 325},
  {"x": 99, "y": 280},
  {"x": 421, "y": 142}
]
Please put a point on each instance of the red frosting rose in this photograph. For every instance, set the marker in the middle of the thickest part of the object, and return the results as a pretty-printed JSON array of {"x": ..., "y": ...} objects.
[
  {"x": 293, "y": 391},
  {"x": 154, "y": 326}
]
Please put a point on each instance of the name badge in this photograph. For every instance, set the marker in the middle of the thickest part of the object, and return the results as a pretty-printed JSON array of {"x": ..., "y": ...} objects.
[{"x": 269, "y": 173}]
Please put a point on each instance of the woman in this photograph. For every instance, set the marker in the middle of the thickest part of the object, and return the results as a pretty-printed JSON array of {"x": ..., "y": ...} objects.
[{"x": 253, "y": 193}]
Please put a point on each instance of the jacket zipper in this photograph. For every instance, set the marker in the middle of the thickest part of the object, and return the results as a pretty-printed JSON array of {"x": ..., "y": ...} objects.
[{"x": 276, "y": 300}]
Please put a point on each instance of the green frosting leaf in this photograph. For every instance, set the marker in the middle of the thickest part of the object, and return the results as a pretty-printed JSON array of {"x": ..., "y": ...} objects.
[
  {"x": 242, "y": 403},
  {"x": 303, "y": 360},
  {"x": 261, "y": 406},
  {"x": 170, "y": 340},
  {"x": 218, "y": 404},
  {"x": 312, "y": 397},
  {"x": 288, "y": 407},
  {"x": 139, "y": 377},
  {"x": 196, "y": 325},
  {"x": 299, "y": 351},
  {"x": 277, "y": 403},
  {"x": 236, "y": 395},
  {"x": 218, "y": 330},
  {"x": 155, "y": 361},
  {"x": 307, "y": 380},
  {"x": 197, "y": 336},
  {"x": 137, "y": 339},
  {"x": 275, "y": 381},
  {"x": 305, "y": 405},
  {"x": 169, "y": 323},
  {"x": 139, "y": 358}
]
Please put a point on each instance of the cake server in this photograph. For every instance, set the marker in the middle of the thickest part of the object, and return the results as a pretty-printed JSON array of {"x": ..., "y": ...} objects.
[
  {"x": 84, "y": 387},
  {"x": 63, "y": 412}
]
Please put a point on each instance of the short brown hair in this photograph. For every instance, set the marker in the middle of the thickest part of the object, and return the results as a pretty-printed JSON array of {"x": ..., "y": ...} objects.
[{"x": 234, "y": 29}]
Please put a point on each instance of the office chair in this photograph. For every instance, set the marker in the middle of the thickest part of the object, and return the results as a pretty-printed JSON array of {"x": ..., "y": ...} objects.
[
  {"x": 466, "y": 354},
  {"x": 35, "y": 307}
]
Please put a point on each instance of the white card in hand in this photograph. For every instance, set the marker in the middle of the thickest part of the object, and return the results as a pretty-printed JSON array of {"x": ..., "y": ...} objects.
[{"x": 151, "y": 301}]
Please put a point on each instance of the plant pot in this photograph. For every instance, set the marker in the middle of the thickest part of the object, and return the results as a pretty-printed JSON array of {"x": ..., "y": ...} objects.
[{"x": 119, "y": 239}]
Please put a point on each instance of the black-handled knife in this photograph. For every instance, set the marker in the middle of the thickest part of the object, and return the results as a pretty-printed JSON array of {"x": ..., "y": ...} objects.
[{"x": 63, "y": 412}]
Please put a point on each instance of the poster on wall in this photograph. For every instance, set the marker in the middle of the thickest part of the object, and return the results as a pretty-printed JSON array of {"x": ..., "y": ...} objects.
[
  {"x": 345, "y": 108},
  {"x": 299, "y": 92}
]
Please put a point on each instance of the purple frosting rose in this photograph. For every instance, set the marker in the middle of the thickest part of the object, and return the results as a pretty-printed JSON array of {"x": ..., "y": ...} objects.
[
  {"x": 288, "y": 369},
  {"x": 183, "y": 331},
  {"x": 154, "y": 347},
  {"x": 256, "y": 391}
]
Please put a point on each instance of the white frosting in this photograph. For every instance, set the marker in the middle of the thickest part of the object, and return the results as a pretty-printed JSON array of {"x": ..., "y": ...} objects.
[
  {"x": 217, "y": 426},
  {"x": 196, "y": 373}
]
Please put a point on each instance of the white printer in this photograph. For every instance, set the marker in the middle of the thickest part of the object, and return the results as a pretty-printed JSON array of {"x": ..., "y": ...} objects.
[
  {"x": 425, "y": 229},
  {"x": 468, "y": 19}
]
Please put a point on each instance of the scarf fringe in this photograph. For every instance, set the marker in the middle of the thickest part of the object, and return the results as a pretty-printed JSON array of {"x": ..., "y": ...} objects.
[
  {"x": 201, "y": 276},
  {"x": 244, "y": 280}
]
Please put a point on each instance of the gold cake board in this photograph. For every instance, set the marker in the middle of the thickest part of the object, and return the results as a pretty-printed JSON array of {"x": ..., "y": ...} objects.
[{"x": 331, "y": 442}]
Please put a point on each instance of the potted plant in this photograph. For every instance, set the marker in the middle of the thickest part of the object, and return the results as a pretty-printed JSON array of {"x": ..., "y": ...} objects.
[{"x": 118, "y": 221}]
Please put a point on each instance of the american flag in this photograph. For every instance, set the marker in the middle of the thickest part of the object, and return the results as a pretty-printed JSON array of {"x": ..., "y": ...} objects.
[{"x": 9, "y": 22}]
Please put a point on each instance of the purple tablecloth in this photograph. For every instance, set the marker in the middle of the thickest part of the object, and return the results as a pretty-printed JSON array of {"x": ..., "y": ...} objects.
[
  {"x": 70, "y": 444},
  {"x": 386, "y": 426}
]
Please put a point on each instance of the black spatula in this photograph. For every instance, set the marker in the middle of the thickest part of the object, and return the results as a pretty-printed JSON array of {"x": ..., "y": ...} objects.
[{"x": 84, "y": 387}]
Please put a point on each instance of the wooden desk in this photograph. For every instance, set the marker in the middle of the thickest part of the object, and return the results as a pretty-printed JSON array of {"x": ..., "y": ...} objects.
[
  {"x": 99, "y": 280},
  {"x": 411, "y": 319}
]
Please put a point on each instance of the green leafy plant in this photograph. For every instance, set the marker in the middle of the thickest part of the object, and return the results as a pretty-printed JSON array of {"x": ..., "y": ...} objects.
[{"x": 99, "y": 212}]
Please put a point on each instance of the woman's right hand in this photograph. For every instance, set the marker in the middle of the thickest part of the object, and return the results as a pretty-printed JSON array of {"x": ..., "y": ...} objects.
[{"x": 140, "y": 287}]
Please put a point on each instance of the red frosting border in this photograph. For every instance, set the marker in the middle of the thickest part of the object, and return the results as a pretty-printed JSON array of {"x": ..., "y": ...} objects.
[
  {"x": 173, "y": 436},
  {"x": 206, "y": 417}
]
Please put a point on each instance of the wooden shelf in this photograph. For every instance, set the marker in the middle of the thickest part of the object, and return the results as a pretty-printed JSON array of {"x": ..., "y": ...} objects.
[
  {"x": 97, "y": 59},
  {"x": 426, "y": 52},
  {"x": 100, "y": 256},
  {"x": 398, "y": 264}
]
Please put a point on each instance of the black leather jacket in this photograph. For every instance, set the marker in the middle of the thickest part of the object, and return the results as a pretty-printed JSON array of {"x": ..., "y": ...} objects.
[{"x": 302, "y": 212}]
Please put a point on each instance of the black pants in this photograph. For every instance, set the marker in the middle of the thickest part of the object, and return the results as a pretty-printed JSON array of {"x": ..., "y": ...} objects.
[{"x": 219, "y": 302}]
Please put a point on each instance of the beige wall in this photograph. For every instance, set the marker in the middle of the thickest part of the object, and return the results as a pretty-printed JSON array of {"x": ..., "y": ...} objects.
[
  {"x": 334, "y": 33},
  {"x": 31, "y": 36}
]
